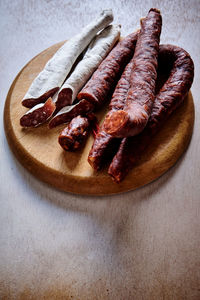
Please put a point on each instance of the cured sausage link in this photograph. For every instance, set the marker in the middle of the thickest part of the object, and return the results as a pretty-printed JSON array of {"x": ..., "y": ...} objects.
[
  {"x": 102, "y": 83},
  {"x": 72, "y": 136},
  {"x": 132, "y": 119},
  {"x": 170, "y": 96},
  {"x": 104, "y": 143},
  {"x": 97, "y": 50}
]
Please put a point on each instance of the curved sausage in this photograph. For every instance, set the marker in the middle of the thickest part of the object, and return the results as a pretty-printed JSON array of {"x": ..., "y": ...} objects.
[
  {"x": 167, "y": 100},
  {"x": 69, "y": 112},
  {"x": 133, "y": 118}
]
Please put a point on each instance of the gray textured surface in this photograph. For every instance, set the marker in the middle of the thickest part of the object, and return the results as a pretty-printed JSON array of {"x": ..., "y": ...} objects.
[{"x": 139, "y": 245}]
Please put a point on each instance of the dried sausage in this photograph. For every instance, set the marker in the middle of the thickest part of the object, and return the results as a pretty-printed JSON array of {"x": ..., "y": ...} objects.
[
  {"x": 97, "y": 50},
  {"x": 137, "y": 109},
  {"x": 38, "y": 114},
  {"x": 103, "y": 81},
  {"x": 169, "y": 97},
  {"x": 72, "y": 136},
  {"x": 51, "y": 78}
]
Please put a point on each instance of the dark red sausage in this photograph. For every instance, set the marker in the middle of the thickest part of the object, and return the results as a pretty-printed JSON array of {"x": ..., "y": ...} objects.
[
  {"x": 133, "y": 117},
  {"x": 102, "y": 83},
  {"x": 104, "y": 144},
  {"x": 38, "y": 114},
  {"x": 167, "y": 100},
  {"x": 72, "y": 136}
]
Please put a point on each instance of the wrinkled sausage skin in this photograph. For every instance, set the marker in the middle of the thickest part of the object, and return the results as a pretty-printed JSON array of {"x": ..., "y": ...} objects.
[
  {"x": 74, "y": 134},
  {"x": 132, "y": 119},
  {"x": 104, "y": 143},
  {"x": 102, "y": 83},
  {"x": 168, "y": 98}
]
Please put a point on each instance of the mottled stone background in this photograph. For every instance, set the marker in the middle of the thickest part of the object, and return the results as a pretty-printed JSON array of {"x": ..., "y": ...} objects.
[{"x": 138, "y": 245}]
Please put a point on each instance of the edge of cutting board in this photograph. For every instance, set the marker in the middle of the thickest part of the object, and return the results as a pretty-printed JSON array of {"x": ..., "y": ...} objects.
[{"x": 38, "y": 151}]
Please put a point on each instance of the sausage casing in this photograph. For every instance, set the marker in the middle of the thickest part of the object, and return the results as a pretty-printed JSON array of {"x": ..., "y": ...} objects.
[
  {"x": 132, "y": 119},
  {"x": 72, "y": 137},
  {"x": 102, "y": 83},
  {"x": 168, "y": 98},
  {"x": 104, "y": 143}
]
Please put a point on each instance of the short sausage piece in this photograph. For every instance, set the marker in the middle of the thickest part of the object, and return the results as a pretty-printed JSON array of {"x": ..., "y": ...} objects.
[
  {"x": 132, "y": 119},
  {"x": 72, "y": 136},
  {"x": 167, "y": 100}
]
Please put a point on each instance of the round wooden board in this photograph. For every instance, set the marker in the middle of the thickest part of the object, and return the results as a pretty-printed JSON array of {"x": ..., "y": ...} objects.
[{"x": 38, "y": 150}]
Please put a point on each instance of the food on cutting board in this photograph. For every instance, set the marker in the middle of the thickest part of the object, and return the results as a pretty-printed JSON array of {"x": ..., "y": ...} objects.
[
  {"x": 96, "y": 52},
  {"x": 128, "y": 74},
  {"x": 100, "y": 86},
  {"x": 168, "y": 98},
  {"x": 133, "y": 117},
  {"x": 74, "y": 134},
  {"x": 58, "y": 67}
]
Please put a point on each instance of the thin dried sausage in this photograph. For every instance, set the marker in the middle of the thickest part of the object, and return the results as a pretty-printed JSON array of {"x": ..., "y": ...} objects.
[
  {"x": 103, "y": 81},
  {"x": 97, "y": 50},
  {"x": 133, "y": 117}
]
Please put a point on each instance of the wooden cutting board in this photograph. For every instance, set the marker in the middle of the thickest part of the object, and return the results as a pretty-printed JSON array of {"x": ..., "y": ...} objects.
[{"x": 38, "y": 151}]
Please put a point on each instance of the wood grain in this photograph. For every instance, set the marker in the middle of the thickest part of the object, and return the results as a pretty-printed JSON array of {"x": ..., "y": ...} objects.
[{"x": 38, "y": 150}]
